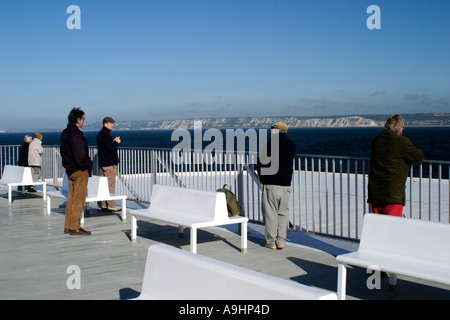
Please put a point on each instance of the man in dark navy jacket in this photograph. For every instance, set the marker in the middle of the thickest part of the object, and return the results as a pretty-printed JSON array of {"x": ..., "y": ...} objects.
[
  {"x": 108, "y": 159},
  {"x": 78, "y": 165},
  {"x": 275, "y": 168}
]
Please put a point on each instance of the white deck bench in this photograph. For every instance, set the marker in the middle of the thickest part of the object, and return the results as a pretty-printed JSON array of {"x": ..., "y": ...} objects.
[
  {"x": 189, "y": 208},
  {"x": 14, "y": 176},
  {"x": 176, "y": 274},
  {"x": 410, "y": 247},
  {"x": 97, "y": 190}
]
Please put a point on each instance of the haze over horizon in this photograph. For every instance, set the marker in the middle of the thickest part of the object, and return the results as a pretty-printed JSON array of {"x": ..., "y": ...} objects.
[{"x": 175, "y": 59}]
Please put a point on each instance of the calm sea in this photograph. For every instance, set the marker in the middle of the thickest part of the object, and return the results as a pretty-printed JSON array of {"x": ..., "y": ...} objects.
[{"x": 354, "y": 142}]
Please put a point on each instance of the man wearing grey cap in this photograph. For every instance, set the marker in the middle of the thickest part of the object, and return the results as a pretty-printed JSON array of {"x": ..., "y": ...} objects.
[
  {"x": 108, "y": 159},
  {"x": 275, "y": 168}
]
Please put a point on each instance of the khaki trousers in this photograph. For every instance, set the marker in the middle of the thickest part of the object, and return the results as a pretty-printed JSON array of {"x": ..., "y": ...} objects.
[
  {"x": 76, "y": 199},
  {"x": 35, "y": 172},
  {"x": 275, "y": 207},
  {"x": 110, "y": 172}
]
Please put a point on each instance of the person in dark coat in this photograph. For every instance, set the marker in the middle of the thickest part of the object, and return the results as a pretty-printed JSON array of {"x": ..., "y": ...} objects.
[
  {"x": 275, "y": 168},
  {"x": 23, "y": 155},
  {"x": 108, "y": 160},
  {"x": 390, "y": 160},
  {"x": 78, "y": 165}
]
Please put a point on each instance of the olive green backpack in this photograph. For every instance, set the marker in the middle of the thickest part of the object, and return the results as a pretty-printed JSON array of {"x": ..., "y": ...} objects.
[{"x": 233, "y": 206}]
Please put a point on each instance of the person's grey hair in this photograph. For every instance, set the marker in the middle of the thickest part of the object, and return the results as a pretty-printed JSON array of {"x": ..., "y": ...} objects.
[
  {"x": 395, "y": 123},
  {"x": 27, "y": 138}
]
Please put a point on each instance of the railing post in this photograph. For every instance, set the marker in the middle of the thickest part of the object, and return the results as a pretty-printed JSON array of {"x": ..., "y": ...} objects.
[
  {"x": 55, "y": 163},
  {"x": 153, "y": 168},
  {"x": 240, "y": 165}
]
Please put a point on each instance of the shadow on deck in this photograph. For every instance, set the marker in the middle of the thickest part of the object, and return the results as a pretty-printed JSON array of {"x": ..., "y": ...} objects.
[{"x": 35, "y": 255}]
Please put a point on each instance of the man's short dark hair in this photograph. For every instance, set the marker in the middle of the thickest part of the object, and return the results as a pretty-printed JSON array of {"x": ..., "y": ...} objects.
[{"x": 75, "y": 114}]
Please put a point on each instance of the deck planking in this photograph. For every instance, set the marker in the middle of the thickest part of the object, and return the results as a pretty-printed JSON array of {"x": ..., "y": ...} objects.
[{"x": 35, "y": 255}]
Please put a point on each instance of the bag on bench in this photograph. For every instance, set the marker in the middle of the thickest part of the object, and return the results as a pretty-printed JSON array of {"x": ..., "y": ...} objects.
[{"x": 233, "y": 206}]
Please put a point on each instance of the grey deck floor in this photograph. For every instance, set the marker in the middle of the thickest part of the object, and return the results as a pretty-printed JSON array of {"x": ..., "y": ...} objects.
[{"x": 35, "y": 255}]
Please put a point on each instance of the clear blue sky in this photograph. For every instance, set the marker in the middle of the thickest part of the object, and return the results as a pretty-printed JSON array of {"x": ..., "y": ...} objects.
[{"x": 170, "y": 59}]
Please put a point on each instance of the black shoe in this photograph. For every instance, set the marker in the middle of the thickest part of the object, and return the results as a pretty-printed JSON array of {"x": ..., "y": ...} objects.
[{"x": 31, "y": 189}]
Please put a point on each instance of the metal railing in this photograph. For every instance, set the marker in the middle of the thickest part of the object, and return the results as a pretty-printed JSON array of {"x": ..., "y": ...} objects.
[{"x": 328, "y": 193}]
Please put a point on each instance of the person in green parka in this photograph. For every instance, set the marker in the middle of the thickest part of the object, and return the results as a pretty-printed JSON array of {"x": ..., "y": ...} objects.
[{"x": 390, "y": 159}]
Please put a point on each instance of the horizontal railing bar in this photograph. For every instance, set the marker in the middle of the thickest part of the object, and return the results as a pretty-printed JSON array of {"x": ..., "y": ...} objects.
[{"x": 328, "y": 192}]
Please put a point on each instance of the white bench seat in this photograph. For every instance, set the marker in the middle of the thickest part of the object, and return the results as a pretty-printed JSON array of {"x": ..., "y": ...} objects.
[
  {"x": 189, "y": 208},
  {"x": 14, "y": 176},
  {"x": 175, "y": 274},
  {"x": 410, "y": 247},
  {"x": 97, "y": 190},
  {"x": 413, "y": 268}
]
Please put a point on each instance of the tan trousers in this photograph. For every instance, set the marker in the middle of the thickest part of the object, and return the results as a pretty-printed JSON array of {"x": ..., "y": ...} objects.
[
  {"x": 110, "y": 172},
  {"x": 275, "y": 207},
  {"x": 35, "y": 172},
  {"x": 76, "y": 199}
]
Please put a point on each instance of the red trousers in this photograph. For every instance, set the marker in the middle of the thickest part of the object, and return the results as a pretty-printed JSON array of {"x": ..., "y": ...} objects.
[{"x": 391, "y": 209}]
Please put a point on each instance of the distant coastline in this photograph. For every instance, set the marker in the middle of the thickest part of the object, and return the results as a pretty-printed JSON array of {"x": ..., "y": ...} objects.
[{"x": 435, "y": 119}]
